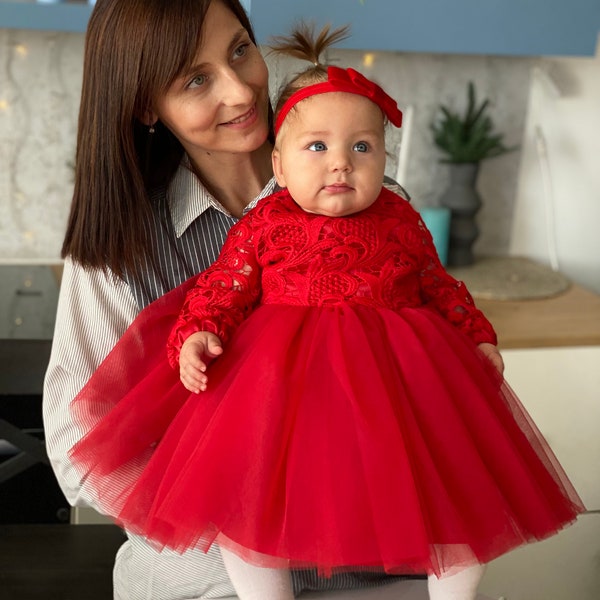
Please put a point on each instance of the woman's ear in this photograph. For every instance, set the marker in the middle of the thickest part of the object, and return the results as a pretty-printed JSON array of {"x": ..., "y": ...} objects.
[
  {"x": 149, "y": 117},
  {"x": 277, "y": 171}
]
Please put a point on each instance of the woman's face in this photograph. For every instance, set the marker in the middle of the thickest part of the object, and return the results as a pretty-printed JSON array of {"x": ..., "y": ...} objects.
[{"x": 221, "y": 105}]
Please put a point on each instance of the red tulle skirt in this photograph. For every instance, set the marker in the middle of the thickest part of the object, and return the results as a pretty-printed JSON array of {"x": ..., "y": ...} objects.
[{"x": 337, "y": 437}]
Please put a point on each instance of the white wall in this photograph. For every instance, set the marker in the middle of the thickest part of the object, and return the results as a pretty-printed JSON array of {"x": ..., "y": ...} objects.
[
  {"x": 40, "y": 85},
  {"x": 559, "y": 221},
  {"x": 40, "y": 79},
  {"x": 40, "y": 82}
]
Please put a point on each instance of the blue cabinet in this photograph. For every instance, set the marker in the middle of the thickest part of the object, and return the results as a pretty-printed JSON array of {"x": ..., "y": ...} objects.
[
  {"x": 502, "y": 27},
  {"x": 67, "y": 16},
  {"x": 505, "y": 27}
]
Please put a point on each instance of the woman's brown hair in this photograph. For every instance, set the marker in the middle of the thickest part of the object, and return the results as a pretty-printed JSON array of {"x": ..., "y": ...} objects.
[{"x": 134, "y": 50}]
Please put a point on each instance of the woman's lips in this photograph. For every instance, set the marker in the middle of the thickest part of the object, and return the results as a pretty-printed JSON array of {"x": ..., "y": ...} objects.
[{"x": 248, "y": 118}]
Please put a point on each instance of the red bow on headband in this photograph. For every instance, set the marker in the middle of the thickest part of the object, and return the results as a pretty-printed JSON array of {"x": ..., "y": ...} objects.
[{"x": 345, "y": 80}]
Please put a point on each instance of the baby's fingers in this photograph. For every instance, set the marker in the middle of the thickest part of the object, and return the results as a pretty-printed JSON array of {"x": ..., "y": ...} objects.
[
  {"x": 193, "y": 359},
  {"x": 193, "y": 379}
]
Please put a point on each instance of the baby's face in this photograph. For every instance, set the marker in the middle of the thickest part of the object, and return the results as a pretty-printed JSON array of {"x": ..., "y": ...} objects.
[{"x": 330, "y": 153}]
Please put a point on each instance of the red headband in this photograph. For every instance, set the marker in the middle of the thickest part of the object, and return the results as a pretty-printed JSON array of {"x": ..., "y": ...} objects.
[{"x": 344, "y": 80}]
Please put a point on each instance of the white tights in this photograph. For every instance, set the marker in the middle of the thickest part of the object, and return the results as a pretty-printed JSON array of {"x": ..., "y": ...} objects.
[
  {"x": 257, "y": 583},
  {"x": 460, "y": 586}
]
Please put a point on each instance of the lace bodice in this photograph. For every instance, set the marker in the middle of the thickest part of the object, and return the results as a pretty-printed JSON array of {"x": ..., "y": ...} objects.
[{"x": 278, "y": 254}]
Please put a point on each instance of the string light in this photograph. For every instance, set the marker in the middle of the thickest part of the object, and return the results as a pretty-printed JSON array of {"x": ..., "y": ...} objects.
[
  {"x": 368, "y": 59},
  {"x": 21, "y": 50}
]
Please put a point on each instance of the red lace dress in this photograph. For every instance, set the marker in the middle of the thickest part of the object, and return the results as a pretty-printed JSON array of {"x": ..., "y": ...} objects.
[{"x": 351, "y": 421}]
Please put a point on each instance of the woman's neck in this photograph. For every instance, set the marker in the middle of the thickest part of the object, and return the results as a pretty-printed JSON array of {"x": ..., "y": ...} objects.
[{"x": 235, "y": 179}]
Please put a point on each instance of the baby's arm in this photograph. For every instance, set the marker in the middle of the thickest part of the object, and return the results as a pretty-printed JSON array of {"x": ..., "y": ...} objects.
[
  {"x": 192, "y": 359},
  {"x": 222, "y": 297},
  {"x": 452, "y": 299}
]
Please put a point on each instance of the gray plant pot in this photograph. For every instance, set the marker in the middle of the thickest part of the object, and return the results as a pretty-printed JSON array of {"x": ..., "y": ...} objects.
[{"x": 463, "y": 201}]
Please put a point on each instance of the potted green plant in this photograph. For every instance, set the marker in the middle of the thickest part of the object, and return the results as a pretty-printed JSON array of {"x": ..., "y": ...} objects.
[
  {"x": 464, "y": 141},
  {"x": 467, "y": 138}
]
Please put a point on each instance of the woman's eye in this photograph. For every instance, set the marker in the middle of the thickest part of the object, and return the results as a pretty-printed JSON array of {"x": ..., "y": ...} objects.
[
  {"x": 361, "y": 147},
  {"x": 241, "y": 50},
  {"x": 197, "y": 81},
  {"x": 317, "y": 147}
]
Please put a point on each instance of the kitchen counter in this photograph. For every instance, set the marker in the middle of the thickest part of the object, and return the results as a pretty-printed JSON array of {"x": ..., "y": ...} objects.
[
  {"x": 570, "y": 319},
  {"x": 551, "y": 352},
  {"x": 530, "y": 305},
  {"x": 549, "y": 334}
]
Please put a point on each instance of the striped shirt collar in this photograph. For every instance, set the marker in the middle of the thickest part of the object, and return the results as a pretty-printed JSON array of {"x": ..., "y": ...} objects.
[{"x": 188, "y": 198}]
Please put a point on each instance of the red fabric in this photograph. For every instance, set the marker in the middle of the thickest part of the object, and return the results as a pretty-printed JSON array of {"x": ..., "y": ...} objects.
[
  {"x": 279, "y": 254},
  {"x": 351, "y": 420},
  {"x": 344, "y": 80}
]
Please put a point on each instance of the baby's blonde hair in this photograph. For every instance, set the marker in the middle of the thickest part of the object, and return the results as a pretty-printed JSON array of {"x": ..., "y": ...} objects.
[{"x": 305, "y": 44}]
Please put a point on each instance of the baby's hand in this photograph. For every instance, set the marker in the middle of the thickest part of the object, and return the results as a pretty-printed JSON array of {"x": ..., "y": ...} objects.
[
  {"x": 192, "y": 365},
  {"x": 492, "y": 353}
]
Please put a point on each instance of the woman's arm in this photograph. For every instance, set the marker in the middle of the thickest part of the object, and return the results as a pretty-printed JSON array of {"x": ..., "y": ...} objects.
[{"x": 94, "y": 309}]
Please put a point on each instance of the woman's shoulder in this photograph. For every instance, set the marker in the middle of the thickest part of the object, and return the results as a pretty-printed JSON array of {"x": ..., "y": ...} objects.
[
  {"x": 394, "y": 186},
  {"x": 278, "y": 203}
]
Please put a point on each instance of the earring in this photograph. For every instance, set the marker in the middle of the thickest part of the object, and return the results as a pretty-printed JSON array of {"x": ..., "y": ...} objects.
[{"x": 151, "y": 129}]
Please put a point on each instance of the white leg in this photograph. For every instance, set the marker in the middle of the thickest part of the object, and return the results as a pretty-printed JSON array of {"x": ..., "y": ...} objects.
[
  {"x": 460, "y": 586},
  {"x": 257, "y": 583}
]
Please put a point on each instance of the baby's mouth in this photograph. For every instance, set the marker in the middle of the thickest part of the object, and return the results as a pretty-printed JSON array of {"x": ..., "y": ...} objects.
[{"x": 338, "y": 187}]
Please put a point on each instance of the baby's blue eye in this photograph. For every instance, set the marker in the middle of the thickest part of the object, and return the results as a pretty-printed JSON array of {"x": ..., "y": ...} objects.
[
  {"x": 317, "y": 147},
  {"x": 361, "y": 147}
]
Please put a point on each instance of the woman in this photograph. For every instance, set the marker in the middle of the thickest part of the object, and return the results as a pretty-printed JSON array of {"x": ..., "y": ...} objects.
[{"x": 173, "y": 147}]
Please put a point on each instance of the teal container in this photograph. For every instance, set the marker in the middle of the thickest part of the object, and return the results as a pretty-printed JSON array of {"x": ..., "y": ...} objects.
[{"x": 437, "y": 220}]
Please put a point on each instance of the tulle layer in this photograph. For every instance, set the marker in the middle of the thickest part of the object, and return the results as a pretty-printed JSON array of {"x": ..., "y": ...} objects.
[{"x": 335, "y": 438}]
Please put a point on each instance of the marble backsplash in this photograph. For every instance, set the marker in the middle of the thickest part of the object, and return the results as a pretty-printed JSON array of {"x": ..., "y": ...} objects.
[{"x": 40, "y": 83}]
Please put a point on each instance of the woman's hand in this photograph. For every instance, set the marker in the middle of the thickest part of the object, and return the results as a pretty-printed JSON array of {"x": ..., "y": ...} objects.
[
  {"x": 492, "y": 353},
  {"x": 192, "y": 359}
]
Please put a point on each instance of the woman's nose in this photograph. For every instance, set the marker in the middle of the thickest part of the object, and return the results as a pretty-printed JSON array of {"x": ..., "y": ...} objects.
[{"x": 234, "y": 89}]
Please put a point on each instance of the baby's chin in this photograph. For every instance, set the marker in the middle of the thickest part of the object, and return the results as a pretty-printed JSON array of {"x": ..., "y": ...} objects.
[{"x": 336, "y": 207}]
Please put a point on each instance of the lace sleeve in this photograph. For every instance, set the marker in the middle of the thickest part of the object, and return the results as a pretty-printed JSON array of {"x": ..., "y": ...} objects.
[
  {"x": 224, "y": 294},
  {"x": 450, "y": 297}
]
